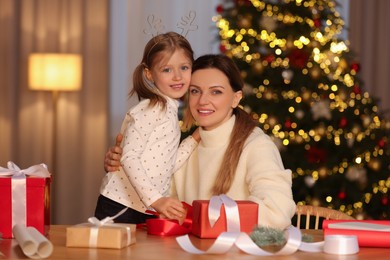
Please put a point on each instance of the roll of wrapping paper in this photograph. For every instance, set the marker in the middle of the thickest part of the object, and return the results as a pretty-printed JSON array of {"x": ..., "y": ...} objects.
[
  {"x": 32, "y": 242},
  {"x": 370, "y": 233}
]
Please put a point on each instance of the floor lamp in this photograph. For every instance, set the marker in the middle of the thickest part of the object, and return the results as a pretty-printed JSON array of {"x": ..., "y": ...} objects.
[{"x": 54, "y": 72}]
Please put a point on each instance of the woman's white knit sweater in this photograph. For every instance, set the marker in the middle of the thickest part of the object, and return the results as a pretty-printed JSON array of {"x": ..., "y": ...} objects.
[{"x": 260, "y": 175}]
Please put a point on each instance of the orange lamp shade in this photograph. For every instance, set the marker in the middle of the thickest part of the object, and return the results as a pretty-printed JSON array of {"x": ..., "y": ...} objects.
[{"x": 54, "y": 71}]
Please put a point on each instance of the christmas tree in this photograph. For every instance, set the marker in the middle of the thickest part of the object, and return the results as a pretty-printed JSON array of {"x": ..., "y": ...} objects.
[{"x": 303, "y": 88}]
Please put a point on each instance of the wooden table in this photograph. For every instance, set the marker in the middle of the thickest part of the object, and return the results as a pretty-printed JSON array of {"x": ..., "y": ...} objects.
[{"x": 155, "y": 247}]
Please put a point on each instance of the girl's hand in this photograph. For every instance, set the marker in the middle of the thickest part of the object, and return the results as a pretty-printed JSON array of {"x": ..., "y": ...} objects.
[
  {"x": 170, "y": 208},
  {"x": 113, "y": 156}
]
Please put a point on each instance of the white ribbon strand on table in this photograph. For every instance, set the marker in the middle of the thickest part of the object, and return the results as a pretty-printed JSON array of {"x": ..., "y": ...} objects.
[
  {"x": 107, "y": 221},
  {"x": 341, "y": 245},
  {"x": 18, "y": 187}
]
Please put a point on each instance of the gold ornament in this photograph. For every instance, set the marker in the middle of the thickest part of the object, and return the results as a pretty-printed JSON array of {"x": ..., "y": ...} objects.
[
  {"x": 342, "y": 95},
  {"x": 229, "y": 53},
  {"x": 272, "y": 121},
  {"x": 233, "y": 12},
  {"x": 244, "y": 74},
  {"x": 343, "y": 65},
  {"x": 298, "y": 139},
  {"x": 360, "y": 216},
  {"x": 269, "y": 23},
  {"x": 387, "y": 125},
  {"x": 290, "y": 42},
  {"x": 306, "y": 95},
  {"x": 357, "y": 174},
  {"x": 248, "y": 109},
  {"x": 257, "y": 67},
  {"x": 330, "y": 55},
  {"x": 366, "y": 120},
  {"x": 315, "y": 72},
  {"x": 315, "y": 202},
  {"x": 315, "y": 44},
  {"x": 287, "y": 75},
  {"x": 268, "y": 95},
  {"x": 245, "y": 22},
  {"x": 323, "y": 172},
  {"x": 299, "y": 114},
  {"x": 355, "y": 129},
  {"x": 350, "y": 141},
  {"x": 375, "y": 164},
  {"x": 247, "y": 89},
  {"x": 321, "y": 130}
]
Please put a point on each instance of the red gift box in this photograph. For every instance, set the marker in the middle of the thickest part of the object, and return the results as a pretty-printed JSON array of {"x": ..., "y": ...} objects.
[
  {"x": 37, "y": 205},
  {"x": 376, "y": 235},
  {"x": 248, "y": 211}
]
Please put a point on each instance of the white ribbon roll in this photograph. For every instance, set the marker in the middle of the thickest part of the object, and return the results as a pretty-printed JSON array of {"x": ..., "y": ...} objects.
[
  {"x": 332, "y": 245},
  {"x": 341, "y": 245}
]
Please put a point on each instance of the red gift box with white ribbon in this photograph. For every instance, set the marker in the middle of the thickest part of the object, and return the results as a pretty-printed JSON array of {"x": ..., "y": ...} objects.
[
  {"x": 25, "y": 198},
  {"x": 212, "y": 217}
]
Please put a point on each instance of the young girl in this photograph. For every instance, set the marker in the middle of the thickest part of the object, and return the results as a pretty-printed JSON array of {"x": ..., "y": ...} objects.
[{"x": 151, "y": 135}]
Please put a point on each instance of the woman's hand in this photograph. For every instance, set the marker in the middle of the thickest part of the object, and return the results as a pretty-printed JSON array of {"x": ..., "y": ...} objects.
[
  {"x": 170, "y": 208},
  {"x": 113, "y": 156}
]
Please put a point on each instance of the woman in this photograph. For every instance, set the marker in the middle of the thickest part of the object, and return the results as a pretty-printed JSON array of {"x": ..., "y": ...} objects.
[{"x": 233, "y": 157}]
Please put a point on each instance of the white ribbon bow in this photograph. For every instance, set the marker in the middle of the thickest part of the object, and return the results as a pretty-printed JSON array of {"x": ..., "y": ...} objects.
[
  {"x": 231, "y": 209},
  {"x": 107, "y": 221},
  {"x": 39, "y": 170},
  {"x": 333, "y": 244}
]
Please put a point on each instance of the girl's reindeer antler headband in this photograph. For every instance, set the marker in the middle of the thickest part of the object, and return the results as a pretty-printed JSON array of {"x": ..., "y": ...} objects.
[
  {"x": 185, "y": 24},
  {"x": 155, "y": 26}
]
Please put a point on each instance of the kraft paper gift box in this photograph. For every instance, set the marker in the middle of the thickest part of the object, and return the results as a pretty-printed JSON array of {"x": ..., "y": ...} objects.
[
  {"x": 25, "y": 198},
  {"x": 201, "y": 227},
  {"x": 370, "y": 233},
  {"x": 114, "y": 236}
]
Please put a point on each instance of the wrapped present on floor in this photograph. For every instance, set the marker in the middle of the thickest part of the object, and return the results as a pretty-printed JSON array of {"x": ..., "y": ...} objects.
[
  {"x": 221, "y": 214},
  {"x": 101, "y": 233},
  {"x": 370, "y": 233},
  {"x": 25, "y": 198}
]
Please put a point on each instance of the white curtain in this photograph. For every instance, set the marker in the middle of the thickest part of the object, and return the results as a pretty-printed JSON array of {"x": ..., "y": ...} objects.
[
  {"x": 26, "y": 126},
  {"x": 369, "y": 34}
]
